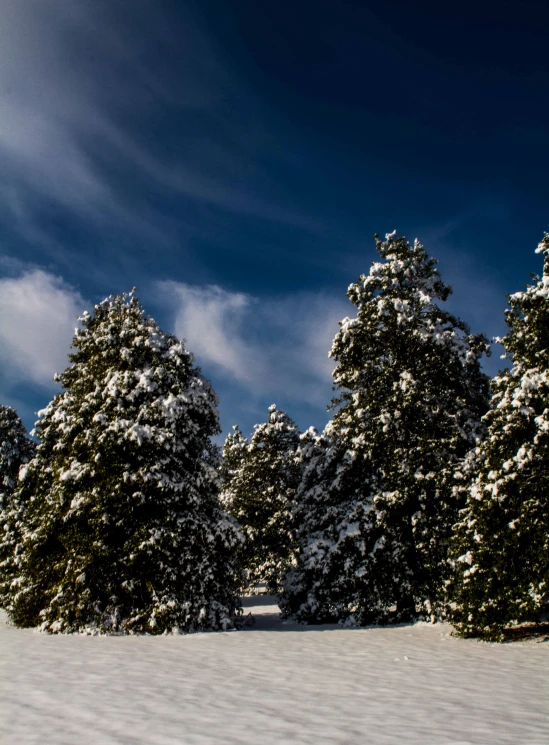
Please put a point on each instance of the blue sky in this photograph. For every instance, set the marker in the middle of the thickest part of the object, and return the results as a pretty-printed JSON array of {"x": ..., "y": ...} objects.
[{"x": 233, "y": 161}]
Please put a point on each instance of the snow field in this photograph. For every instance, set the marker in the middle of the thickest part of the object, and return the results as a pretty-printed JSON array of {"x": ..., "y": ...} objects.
[{"x": 274, "y": 683}]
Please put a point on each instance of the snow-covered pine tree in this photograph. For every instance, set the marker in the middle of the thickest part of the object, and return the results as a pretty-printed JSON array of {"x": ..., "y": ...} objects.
[
  {"x": 16, "y": 449},
  {"x": 259, "y": 482},
  {"x": 502, "y": 540},
  {"x": 235, "y": 450},
  {"x": 328, "y": 518},
  {"x": 411, "y": 398},
  {"x": 124, "y": 531}
]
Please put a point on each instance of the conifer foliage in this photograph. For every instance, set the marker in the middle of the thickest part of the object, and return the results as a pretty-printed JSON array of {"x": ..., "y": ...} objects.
[
  {"x": 329, "y": 517},
  {"x": 259, "y": 482},
  {"x": 502, "y": 540},
  {"x": 124, "y": 531},
  {"x": 372, "y": 545},
  {"x": 16, "y": 449}
]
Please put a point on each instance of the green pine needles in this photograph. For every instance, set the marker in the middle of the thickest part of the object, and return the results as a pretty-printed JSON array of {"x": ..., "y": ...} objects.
[
  {"x": 325, "y": 583},
  {"x": 16, "y": 449},
  {"x": 259, "y": 482},
  {"x": 123, "y": 530},
  {"x": 375, "y": 513},
  {"x": 501, "y": 547},
  {"x": 422, "y": 498}
]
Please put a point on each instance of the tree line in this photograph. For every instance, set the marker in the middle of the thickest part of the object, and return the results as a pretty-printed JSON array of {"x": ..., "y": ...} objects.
[{"x": 426, "y": 495}]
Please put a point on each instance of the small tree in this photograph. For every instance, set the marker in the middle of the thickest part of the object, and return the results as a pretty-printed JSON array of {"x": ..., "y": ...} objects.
[
  {"x": 260, "y": 479},
  {"x": 411, "y": 398},
  {"x": 501, "y": 546},
  {"x": 16, "y": 449},
  {"x": 124, "y": 531}
]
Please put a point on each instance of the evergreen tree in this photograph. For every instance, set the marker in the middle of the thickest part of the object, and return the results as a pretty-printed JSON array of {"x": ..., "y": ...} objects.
[
  {"x": 260, "y": 479},
  {"x": 411, "y": 398},
  {"x": 16, "y": 449},
  {"x": 124, "y": 531},
  {"x": 502, "y": 540},
  {"x": 328, "y": 522}
]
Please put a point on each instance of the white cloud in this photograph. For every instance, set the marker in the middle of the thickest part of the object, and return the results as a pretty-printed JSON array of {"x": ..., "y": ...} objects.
[
  {"x": 270, "y": 345},
  {"x": 43, "y": 108},
  {"x": 213, "y": 323},
  {"x": 38, "y": 315}
]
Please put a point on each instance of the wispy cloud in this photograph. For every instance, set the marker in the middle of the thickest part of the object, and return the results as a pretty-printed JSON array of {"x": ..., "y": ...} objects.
[
  {"x": 38, "y": 314},
  {"x": 76, "y": 77},
  {"x": 213, "y": 321},
  {"x": 269, "y": 345}
]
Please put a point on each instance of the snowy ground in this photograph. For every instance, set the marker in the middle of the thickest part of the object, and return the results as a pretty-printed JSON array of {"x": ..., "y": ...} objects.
[{"x": 274, "y": 683}]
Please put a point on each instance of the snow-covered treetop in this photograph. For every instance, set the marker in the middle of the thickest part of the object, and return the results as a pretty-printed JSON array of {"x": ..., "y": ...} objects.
[
  {"x": 272, "y": 444},
  {"x": 278, "y": 426},
  {"x": 406, "y": 270},
  {"x": 120, "y": 327},
  {"x": 280, "y": 419},
  {"x": 132, "y": 381},
  {"x": 235, "y": 446},
  {"x": 543, "y": 248},
  {"x": 527, "y": 318},
  {"x": 279, "y": 435},
  {"x": 521, "y": 393},
  {"x": 406, "y": 364},
  {"x": 541, "y": 288},
  {"x": 398, "y": 300}
]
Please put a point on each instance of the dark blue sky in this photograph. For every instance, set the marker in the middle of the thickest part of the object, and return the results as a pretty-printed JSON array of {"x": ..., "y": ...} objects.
[{"x": 233, "y": 160}]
